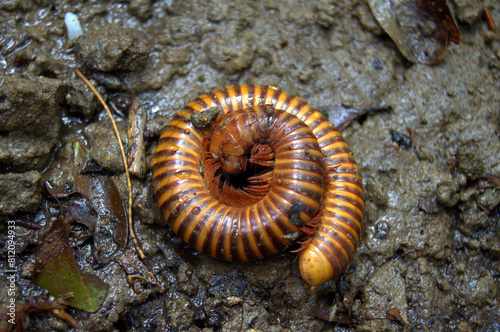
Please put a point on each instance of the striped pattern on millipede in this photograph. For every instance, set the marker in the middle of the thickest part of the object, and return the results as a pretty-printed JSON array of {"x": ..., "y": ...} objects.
[{"x": 314, "y": 180}]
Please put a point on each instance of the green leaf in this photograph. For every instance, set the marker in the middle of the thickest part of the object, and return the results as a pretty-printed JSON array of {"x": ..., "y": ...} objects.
[{"x": 56, "y": 270}]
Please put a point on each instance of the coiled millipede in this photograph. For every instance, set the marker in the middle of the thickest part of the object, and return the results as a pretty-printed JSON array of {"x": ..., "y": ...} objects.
[{"x": 244, "y": 172}]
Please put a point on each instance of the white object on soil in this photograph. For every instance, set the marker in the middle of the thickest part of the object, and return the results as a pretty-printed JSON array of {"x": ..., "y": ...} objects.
[{"x": 73, "y": 26}]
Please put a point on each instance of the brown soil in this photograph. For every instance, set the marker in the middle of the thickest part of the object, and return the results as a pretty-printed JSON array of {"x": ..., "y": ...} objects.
[{"x": 430, "y": 249}]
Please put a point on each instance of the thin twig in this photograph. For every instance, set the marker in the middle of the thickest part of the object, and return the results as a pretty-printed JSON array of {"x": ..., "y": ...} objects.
[{"x": 124, "y": 158}]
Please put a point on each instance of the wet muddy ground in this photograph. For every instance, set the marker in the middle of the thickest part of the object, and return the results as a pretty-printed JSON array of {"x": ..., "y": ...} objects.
[{"x": 430, "y": 249}]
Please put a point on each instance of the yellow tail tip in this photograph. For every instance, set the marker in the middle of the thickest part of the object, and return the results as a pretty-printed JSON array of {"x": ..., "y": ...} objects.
[{"x": 314, "y": 267}]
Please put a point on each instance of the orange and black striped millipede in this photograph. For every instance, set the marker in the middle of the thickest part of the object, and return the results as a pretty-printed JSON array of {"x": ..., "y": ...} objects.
[{"x": 244, "y": 172}]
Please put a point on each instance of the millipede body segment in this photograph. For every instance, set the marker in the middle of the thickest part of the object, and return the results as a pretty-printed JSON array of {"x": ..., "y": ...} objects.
[{"x": 244, "y": 172}]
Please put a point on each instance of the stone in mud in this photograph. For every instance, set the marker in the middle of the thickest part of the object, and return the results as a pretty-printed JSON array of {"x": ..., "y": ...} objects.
[
  {"x": 104, "y": 146},
  {"x": 470, "y": 162},
  {"x": 29, "y": 121},
  {"x": 19, "y": 193},
  {"x": 112, "y": 48}
]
